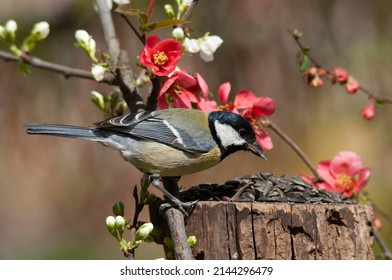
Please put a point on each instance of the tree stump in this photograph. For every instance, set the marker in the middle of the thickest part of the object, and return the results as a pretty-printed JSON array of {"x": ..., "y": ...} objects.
[{"x": 281, "y": 231}]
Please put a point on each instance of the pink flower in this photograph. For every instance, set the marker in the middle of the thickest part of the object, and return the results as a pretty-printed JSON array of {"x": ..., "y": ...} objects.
[
  {"x": 338, "y": 75},
  {"x": 161, "y": 56},
  {"x": 343, "y": 174},
  {"x": 181, "y": 90},
  {"x": 312, "y": 77},
  {"x": 352, "y": 85},
  {"x": 369, "y": 111}
]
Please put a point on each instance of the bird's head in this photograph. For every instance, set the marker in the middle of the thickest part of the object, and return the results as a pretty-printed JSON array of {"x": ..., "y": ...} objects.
[{"x": 233, "y": 133}]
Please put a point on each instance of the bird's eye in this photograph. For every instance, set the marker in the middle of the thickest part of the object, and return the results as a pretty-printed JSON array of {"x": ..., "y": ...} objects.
[{"x": 242, "y": 132}]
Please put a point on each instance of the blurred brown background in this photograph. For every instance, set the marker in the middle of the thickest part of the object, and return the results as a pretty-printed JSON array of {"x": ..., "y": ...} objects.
[{"x": 56, "y": 193}]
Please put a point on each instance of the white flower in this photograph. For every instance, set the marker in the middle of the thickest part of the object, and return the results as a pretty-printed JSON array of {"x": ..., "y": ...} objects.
[
  {"x": 178, "y": 33},
  {"x": 11, "y": 26},
  {"x": 191, "y": 45},
  {"x": 41, "y": 30},
  {"x": 98, "y": 72},
  {"x": 208, "y": 46}
]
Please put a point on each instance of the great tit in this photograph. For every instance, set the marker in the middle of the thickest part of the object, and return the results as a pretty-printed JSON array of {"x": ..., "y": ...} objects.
[{"x": 167, "y": 143}]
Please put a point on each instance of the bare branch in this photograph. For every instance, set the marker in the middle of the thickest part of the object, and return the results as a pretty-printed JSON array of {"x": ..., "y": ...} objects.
[
  {"x": 190, "y": 9},
  {"x": 119, "y": 60},
  {"x": 109, "y": 31},
  {"x": 53, "y": 67},
  {"x": 305, "y": 50}
]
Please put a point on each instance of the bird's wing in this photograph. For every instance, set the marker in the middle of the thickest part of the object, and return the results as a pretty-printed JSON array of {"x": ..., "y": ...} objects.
[{"x": 154, "y": 127}]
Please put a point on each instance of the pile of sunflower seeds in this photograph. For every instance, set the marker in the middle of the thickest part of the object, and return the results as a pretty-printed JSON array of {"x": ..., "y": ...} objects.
[{"x": 265, "y": 187}]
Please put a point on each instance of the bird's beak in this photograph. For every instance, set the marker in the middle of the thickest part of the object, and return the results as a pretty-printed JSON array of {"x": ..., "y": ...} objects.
[{"x": 256, "y": 149}]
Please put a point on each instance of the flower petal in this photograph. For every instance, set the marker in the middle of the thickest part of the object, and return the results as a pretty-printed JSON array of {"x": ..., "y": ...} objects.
[
  {"x": 345, "y": 162},
  {"x": 263, "y": 107},
  {"x": 264, "y": 139},
  {"x": 363, "y": 178},
  {"x": 224, "y": 91},
  {"x": 323, "y": 169},
  {"x": 207, "y": 105},
  {"x": 244, "y": 99},
  {"x": 202, "y": 84}
]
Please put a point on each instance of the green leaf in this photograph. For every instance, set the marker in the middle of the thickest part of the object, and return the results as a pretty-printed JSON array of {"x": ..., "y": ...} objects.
[
  {"x": 118, "y": 209},
  {"x": 24, "y": 68},
  {"x": 128, "y": 10},
  {"x": 304, "y": 63},
  {"x": 114, "y": 101},
  {"x": 380, "y": 104},
  {"x": 148, "y": 27}
]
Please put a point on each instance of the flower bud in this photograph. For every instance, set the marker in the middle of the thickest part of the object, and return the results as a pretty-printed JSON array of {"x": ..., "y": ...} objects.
[
  {"x": 144, "y": 231},
  {"x": 369, "y": 111},
  {"x": 178, "y": 33},
  {"x": 98, "y": 72},
  {"x": 169, "y": 11},
  {"x": 98, "y": 99},
  {"x": 352, "y": 85},
  {"x": 192, "y": 240},
  {"x": 111, "y": 225},
  {"x": 9, "y": 31},
  {"x": 2, "y": 32},
  {"x": 40, "y": 30},
  {"x": 82, "y": 37},
  {"x": 11, "y": 26},
  {"x": 120, "y": 224}
]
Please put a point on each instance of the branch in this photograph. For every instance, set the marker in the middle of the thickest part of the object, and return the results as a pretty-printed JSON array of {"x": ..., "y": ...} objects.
[
  {"x": 53, "y": 67},
  {"x": 190, "y": 9},
  {"x": 119, "y": 60},
  {"x": 176, "y": 224},
  {"x": 305, "y": 50},
  {"x": 269, "y": 124},
  {"x": 108, "y": 31}
]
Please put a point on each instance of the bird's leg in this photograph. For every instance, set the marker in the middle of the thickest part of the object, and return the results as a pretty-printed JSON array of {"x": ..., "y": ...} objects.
[{"x": 171, "y": 191}]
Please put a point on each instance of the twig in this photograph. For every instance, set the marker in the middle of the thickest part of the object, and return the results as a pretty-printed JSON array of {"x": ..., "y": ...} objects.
[
  {"x": 190, "y": 9},
  {"x": 274, "y": 127},
  {"x": 150, "y": 9},
  {"x": 305, "y": 51},
  {"x": 141, "y": 37},
  {"x": 384, "y": 247},
  {"x": 152, "y": 101},
  {"x": 54, "y": 67}
]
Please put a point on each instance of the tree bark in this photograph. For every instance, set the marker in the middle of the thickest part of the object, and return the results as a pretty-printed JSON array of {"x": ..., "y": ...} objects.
[{"x": 281, "y": 231}]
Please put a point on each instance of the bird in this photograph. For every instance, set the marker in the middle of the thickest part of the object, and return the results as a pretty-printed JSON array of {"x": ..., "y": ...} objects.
[{"x": 166, "y": 143}]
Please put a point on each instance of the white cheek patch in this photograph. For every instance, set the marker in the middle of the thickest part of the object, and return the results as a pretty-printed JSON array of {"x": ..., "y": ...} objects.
[
  {"x": 228, "y": 135},
  {"x": 175, "y": 132}
]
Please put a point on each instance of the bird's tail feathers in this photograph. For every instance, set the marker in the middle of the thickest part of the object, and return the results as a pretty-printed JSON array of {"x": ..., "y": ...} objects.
[{"x": 62, "y": 131}]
